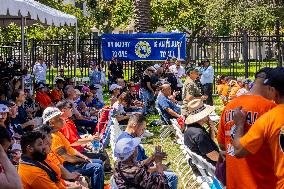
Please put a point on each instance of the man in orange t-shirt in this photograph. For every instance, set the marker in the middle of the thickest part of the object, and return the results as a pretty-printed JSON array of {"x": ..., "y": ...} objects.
[
  {"x": 73, "y": 160},
  {"x": 268, "y": 129},
  {"x": 33, "y": 170},
  {"x": 245, "y": 172}
]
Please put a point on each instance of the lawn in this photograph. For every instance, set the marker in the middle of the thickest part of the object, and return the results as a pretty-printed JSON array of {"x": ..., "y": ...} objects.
[
  {"x": 236, "y": 70},
  {"x": 168, "y": 145}
]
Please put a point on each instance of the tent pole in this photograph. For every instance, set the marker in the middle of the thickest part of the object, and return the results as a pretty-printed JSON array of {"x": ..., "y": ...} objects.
[
  {"x": 76, "y": 52},
  {"x": 23, "y": 48}
]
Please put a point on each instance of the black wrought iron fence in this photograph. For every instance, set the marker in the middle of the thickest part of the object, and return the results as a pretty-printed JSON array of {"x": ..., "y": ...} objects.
[{"x": 237, "y": 56}]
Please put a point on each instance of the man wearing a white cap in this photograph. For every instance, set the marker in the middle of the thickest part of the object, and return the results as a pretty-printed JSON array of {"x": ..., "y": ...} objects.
[
  {"x": 73, "y": 160},
  {"x": 196, "y": 138},
  {"x": 129, "y": 173}
]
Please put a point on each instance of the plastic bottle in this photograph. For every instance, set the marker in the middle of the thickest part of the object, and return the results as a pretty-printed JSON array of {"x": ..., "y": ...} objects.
[{"x": 96, "y": 144}]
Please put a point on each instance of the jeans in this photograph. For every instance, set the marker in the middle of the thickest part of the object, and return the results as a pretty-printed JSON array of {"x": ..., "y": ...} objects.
[
  {"x": 208, "y": 90},
  {"x": 172, "y": 179},
  {"x": 93, "y": 170},
  {"x": 99, "y": 93},
  {"x": 146, "y": 97}
]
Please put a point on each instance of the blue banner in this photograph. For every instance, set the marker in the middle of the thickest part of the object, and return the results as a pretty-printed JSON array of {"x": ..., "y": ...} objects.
[{"x": 144, "y": 47}]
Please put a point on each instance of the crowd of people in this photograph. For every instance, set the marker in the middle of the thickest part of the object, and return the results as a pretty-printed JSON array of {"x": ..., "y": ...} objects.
[{"x": 56, "y": 137}]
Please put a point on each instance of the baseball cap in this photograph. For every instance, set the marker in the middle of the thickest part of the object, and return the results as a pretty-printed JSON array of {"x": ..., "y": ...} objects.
[
  {"x": 4, "y": 108},
  {"x": 263, "y": 73},
  {"x": 40, "y": 86},
  {"x": 49, "y": 113},
  {"x": 93, "y": 87},
  {"x": 276, "y": 79},
  {"x": 59, "y": 79},
  {"x": 114, "y": 86},
  {"x": 125, "y": 147}
]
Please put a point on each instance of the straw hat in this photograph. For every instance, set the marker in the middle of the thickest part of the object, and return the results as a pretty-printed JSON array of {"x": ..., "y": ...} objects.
[{"x": 197, "y": 111}]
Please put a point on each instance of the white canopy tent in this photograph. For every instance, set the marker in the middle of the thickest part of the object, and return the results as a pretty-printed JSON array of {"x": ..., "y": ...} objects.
[{"x": 29, "y": 11}]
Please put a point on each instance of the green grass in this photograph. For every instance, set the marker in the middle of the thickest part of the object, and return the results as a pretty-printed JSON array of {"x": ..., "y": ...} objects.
[{"x": 236, "y": 69}]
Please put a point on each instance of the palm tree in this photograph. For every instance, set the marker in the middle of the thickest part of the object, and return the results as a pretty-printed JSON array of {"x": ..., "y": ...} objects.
[{"x": 142, "y": 16}]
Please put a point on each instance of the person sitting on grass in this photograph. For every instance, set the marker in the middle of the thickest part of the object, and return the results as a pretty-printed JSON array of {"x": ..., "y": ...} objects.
[{"x": 130, "y": 173}]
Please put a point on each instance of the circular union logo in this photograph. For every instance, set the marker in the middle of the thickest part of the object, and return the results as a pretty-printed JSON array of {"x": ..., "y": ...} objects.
[{"x": 142, "y": 49}]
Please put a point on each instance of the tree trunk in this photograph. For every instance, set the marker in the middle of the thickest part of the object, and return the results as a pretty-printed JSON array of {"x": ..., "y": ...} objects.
[{"x": 142, "y": 16}]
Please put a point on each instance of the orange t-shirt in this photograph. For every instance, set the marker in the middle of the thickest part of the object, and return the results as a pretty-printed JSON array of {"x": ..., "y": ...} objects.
[
  {"x": 220, "y": 88},
  {"x": 56, "y": 95},
  {"x": 224, "y": 94},
  {"x": 53, "y": 161},
  {"x": 34, "y": 177},
  {"x": 269, "y": 128},
  {"x": 254, "y": 171},
  {"x": 43, "y": 99},
  {"x": 59, "y": 141}
]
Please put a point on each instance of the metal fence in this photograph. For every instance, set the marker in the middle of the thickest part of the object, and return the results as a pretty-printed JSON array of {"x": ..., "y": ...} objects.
[{"x": 237, "y": 56}]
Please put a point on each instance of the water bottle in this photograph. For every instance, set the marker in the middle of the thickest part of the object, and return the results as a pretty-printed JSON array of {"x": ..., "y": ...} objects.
[{"x": 96, "y": 145}]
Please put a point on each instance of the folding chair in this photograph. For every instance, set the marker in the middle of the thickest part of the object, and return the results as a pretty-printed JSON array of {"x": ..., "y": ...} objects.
[{"x": 166, "y": 130}]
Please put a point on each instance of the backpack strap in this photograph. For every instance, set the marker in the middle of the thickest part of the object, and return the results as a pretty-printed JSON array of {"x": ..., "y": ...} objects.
[{"x": 42, "y": 165}]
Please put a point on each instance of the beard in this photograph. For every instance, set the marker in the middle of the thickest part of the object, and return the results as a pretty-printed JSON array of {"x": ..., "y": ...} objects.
[{"x": 39, "y": 156}]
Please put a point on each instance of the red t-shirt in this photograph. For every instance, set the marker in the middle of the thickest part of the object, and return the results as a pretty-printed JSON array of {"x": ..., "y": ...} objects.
[
  {"x": 43, "y": 99},
  {"x": 255, "y": 171},
  {"x": 70, "y": 132}
]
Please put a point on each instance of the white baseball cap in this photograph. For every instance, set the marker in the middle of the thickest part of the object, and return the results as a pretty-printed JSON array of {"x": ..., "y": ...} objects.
[
  {"x": 4, "y": 108},
  {"x": 49, "y": 113},
  {"x": 125, "y": 147},
  {"x": 114, "y": 86}
]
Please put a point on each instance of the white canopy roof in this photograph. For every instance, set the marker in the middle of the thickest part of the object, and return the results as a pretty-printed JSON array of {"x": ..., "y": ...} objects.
[{"x": 12, "y": 10}]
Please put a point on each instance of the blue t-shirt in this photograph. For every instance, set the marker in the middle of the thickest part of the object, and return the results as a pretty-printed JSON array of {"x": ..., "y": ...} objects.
[
  {"x": 141, "y": 152},
  {"x": 95, "y": 77},
  {"x": 163, "y": 103}
]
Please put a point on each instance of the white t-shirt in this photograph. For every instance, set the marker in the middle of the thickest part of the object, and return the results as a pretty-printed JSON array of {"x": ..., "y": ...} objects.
[
  {"x": 179, "y": 73},
  {"x": 39, "y": 71}
]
